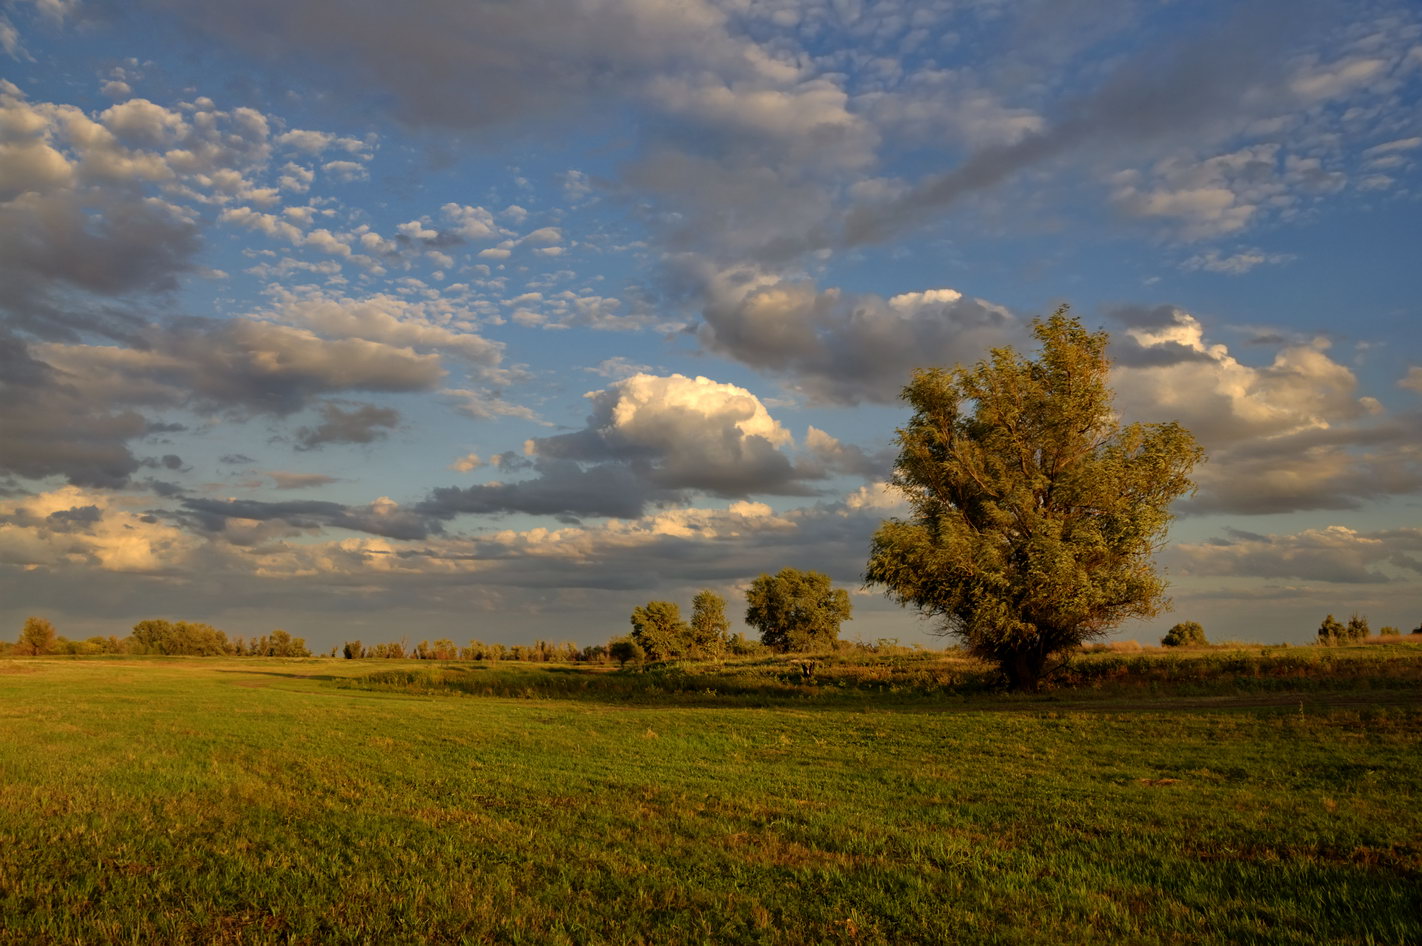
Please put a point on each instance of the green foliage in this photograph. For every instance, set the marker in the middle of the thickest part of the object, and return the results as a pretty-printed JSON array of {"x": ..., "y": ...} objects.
[
  {"x": 1332, "y": 631},
  {"x": 189, "y": 638},
  {"x": 625, "y": 650},
  {"x": 1185, "y": 634},
  {"x": 658, "y": 629},
  {"x": 1034, "y": 513},
  {"x": 37, "y": 637},
  {"x": 709, "y": 626},
  {"x": 796, "y": 610}
]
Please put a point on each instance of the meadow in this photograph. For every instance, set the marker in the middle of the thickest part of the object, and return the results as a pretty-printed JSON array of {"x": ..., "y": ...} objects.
[{"x": 1227, "y": 795}]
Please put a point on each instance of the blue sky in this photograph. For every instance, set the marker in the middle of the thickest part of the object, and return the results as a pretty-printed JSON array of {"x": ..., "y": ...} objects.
[{"x": 489, "y": 320}]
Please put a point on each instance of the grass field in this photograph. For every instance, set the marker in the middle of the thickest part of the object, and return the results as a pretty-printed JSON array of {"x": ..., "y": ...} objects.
[{"x": 207, "y": 800}]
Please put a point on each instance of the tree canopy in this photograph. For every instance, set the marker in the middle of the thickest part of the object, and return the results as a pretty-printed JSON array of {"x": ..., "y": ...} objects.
[
  {"x": 795, "y": 610},
  {"x": 658, "y": 629},
  {"x": 1033, "y": 512}
]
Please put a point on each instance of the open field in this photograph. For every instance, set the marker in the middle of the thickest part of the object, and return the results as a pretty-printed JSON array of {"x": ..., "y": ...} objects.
[{"x": 209, "y": 800}]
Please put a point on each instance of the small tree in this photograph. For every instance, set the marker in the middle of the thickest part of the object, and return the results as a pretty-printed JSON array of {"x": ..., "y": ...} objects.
[
  {"x": 795, "y": 610},
  {"x": 1034, "y": 514},
  {"x": 353, "y": 650},
  {"x": 1185, "y": 634},
  {"x": 709, "y": 627},
  {"x": 36, "y": 637},
  {"x": 625, "y": 650},
  {"x": 658, "y": 629},
  {"x": 1357, "y": 629},
  {"x": 1331, "y": 631}
]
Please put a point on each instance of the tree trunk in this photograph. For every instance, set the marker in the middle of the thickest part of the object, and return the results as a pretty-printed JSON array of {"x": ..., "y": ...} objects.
[{"x": 1024, "y": 670}]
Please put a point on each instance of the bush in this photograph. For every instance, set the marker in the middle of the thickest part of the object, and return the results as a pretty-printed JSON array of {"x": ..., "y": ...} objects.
[
  {"x": 625, "y": 650},
  {"x": 1357, "y": 629},
  {"x": 1331, "y": 631},
  {"x": 1185, "y": 634}
]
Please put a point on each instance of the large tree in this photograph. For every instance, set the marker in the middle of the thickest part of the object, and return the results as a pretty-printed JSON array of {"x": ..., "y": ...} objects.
[
  {"x": 1034, "y": 513},
  {"x": 795, "y": 610}
]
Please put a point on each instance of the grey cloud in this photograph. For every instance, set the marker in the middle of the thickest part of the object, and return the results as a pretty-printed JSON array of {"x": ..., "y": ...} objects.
[
  {"x": 212, "y": 515},
  {"x": 365, "y": 423},
  {"x": 236, "y": 458},
  {"x": 560, "y": 488},
  {"x": 842, "y": 348},
  {"x": 241, "y": 365},
  {"x": 1335, "y": 554},
  {"x": 1173, "y": 92},
  {"x": 70, "y": 261},
  {"x": 77, "y": 517},
  {"x": 458, "y": 64},
  {"x": 49, "y": 427},
  {"x": 300, "y": 480}
]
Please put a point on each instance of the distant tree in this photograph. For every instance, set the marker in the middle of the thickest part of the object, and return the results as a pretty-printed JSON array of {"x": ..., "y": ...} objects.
[
  {"x": 796, "y": 610},
  {"x": 709, "y": 626},
  {"x": 353, "y": 650},
  {"x": 186, "y": 638},
  {"x": 1331, "y": 631},
  {"x": 1033, "y": 513},
  {"x": 1387, "y": 630},
  {"x": 1357, "y": 629},
  {"x": 742, "y": 646},
  {"x": 37, "y": 637},
  {"x": 658, "y": 629},
  {"x": 282, "y": 644},
  {"x": 625, "y": 650},
  {"x": 1185, "y": 634}
]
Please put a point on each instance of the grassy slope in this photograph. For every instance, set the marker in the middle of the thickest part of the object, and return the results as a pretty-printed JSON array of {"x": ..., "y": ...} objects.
[{"x": 250, "y": 801}]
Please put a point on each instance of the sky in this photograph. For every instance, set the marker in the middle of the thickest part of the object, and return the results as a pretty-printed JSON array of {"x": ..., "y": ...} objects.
[{"x": 449, "y": 318}]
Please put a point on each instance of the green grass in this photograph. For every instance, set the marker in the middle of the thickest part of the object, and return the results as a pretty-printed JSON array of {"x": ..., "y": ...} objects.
[{"x": 270, "y": 801}]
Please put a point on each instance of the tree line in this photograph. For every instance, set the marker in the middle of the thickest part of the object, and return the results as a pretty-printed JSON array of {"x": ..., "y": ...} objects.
[{"x": 38, "y": 638}]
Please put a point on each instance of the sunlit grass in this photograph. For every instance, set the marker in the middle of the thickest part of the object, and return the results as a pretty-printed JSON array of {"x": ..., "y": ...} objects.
[{"x": 212, "y": 800}]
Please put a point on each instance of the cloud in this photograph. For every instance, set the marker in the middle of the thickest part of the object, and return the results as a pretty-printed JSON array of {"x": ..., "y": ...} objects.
[
  {"x": 654, "y": 441},
  {"x": 74, "y": 528},
  {"x": 364, "y": 423},
  {"x": 1289, "y": 435},
  {"x": 1335, "y": 554},
  {"x": 1413, "y": 379},
  {"x": 683, "y": 433},
  {"x": 283, "y": 480},
  {"x": 467, "y": 463},
  {"x": 844, "y": 348},
  {"x": 49, "y": 427},
  {"x": 559, "y": 488},
  {"x": 429, "y": 325},
  {"x": 240, "y": 366},
  {"x": 383, "y": 517},
  {"x": 1236, "y": 264}
]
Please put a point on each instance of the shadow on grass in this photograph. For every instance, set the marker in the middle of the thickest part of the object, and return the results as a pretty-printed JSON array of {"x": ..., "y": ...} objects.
[{"x": 1261, "y": 678}]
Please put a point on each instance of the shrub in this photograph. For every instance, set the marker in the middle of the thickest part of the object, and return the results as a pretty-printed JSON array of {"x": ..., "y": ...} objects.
[
  {"x": 1185, "y": 634},
  {"x": 625, "y": 650},
  {"x": 1357, "y": 629},
  {"x": 1331, "y": 631}
]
